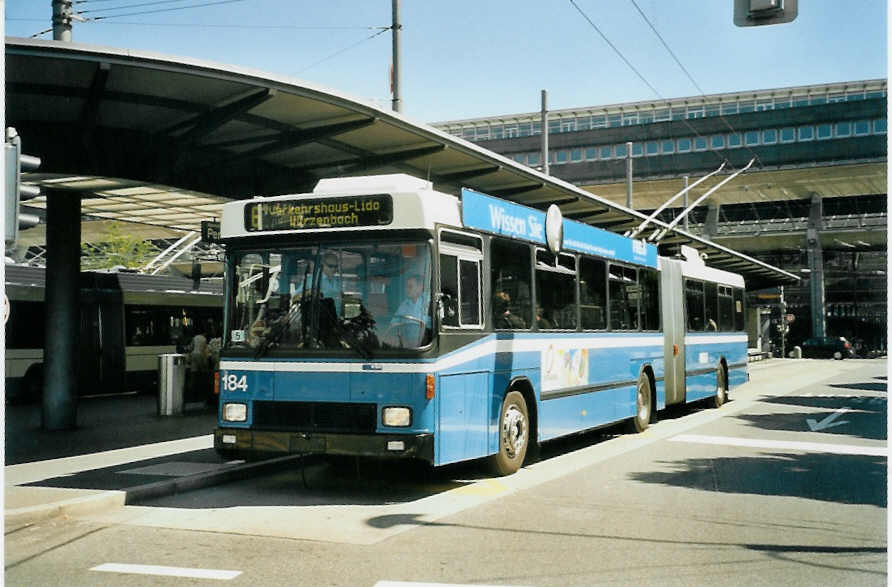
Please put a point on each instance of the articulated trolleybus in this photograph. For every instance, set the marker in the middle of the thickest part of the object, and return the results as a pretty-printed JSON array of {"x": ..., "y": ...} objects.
[{"x": 378, "y": 317}]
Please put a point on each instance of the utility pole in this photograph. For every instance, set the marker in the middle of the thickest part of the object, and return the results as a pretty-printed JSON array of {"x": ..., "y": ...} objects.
[
  {"x": 629, "y": 175},
  {"x": 395, "y": 73},
  {"x": 62, "y": 13},
  {"x": 545, "y": 132}
]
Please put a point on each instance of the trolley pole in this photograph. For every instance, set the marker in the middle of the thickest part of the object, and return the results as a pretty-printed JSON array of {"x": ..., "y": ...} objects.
[
  {"x": 545, "y": 132},
  {"x": 395, "y": 74},
  {"x": 62, "y": 13}
]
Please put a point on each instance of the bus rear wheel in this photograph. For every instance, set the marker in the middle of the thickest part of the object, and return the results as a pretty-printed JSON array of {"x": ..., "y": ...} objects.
[
  {"x": 721, "y": 387},
  {"x": 514, "y": 435},
  {"x": 643, "y": 404}
]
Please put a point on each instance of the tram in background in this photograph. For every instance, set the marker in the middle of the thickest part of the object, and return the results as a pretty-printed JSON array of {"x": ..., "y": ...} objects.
[
  {"x": 126, "y": 321},
  {"x": 378, "y": 317}
]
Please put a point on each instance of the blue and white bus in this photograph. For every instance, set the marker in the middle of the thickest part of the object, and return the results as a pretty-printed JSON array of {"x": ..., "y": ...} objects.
[{"x": 378, "y": 317}]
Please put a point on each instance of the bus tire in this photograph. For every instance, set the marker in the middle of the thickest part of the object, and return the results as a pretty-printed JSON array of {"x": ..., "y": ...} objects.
[
  {"x": 514, "y": 435},
  {"x": 721, "y": 387},
  {"x": 643, "y": 404}
]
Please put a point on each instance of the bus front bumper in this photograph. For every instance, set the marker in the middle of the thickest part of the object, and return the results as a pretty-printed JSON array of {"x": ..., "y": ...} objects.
[{"x": 237, "y": 443}]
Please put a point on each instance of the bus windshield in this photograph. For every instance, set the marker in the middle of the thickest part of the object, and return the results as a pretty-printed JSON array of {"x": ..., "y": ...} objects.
[{"x": 348, "y": 298}]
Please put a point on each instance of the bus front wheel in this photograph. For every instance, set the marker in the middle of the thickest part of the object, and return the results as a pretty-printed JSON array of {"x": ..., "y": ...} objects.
[{"x": 514, "y": 435}]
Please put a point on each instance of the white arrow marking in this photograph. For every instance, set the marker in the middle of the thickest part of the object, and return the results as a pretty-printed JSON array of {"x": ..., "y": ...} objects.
[{"x": 827, "y": 422}]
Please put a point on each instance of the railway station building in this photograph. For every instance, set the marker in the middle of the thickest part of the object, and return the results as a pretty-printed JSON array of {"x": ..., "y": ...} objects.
[{"x": 814, "y": 203}]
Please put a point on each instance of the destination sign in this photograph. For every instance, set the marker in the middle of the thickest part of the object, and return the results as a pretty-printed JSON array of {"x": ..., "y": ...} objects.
[{"x": 306, "y": 213}]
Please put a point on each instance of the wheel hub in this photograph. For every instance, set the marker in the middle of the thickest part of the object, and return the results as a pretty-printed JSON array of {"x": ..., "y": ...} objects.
[{"x": 514, "y": 431}]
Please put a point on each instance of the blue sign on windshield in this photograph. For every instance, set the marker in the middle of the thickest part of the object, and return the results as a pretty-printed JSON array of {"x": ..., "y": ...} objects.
[{"x": 516, "y": 221}]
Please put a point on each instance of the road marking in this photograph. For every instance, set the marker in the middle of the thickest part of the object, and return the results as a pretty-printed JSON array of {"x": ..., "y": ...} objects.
[
  {"x": 842, "y": 449},
  {"x": 414, "y": 584},
  {"x": 827, "y": 422},
  {"x": 167, "y": 571}
]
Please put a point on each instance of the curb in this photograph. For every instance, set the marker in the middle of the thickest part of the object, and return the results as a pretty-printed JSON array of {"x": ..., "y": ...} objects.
[{"x": 69, "y": 507}]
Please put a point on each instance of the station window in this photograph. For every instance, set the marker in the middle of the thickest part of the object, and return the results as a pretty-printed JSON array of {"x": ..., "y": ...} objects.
[
  {"x": 646, "y": 117},
  {"x": 861, "y": 128},
  {"x": 583, "y": 123},
  {"x": 806, "y": 133},
  {"x": 533, "y": 158},
  {"x": 764, "y": 105},
  {"x": 799, "y": 101},
  {"x": 712, "y": 110},
  {"x": 788, "y": 135},
  {"x": 879, "y": 126},
  {"x": 599, "y": 121},
  {"x": 854, "y": 96},
  {"x": 560, "y": 157},
  {"x": 824, "y": 131},
  {"x": 717, "y": 142},
  {"x": 620, "y": 150},
  {"x": 591, "y": 153},
  {"x": 668, "y": 146},
  {"x": 729, "y": 108},
  {"x": 818, "y": 100},
  {"x": 604, "y": 152},
  {"x": 747, "y": 106},
  {"x": 695, "y": 112},
  {"x": 614, "y": 120},
  {"x": 662, "y": 115},
  {"x": 652, "y": 148},
  {"x": 684, "y": 145},
  {"x": 735, "y": 140},
  {"x": 576, "y": 155},
  {"x": 637, "y": 149},
  {"x": 699, "y": 144},
  {"x": 834, "y": 98},
  {"x": 497, "y": 132},
  {"x": 523, "y": 130},
  {"x": 843, "y": 129},
  {"x": 769, "y": 136},
  {"x": 781, "y": 103},
  {"x": 751, "y": 137},
  {"x": 630, "y": 119}
]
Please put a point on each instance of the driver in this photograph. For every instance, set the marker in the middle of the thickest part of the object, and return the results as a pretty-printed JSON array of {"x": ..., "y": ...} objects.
[{"x": 414, "y": 305}]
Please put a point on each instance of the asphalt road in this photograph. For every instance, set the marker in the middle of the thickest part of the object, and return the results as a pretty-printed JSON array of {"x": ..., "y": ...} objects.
[{"x": 785, "y": 484}]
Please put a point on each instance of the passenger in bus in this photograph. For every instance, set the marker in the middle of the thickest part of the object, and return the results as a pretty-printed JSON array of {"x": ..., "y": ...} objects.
[
  {"x": 542, "y": 322},
  {"x": 329, "y": 281},
  {"x": 502, "y": 316}
]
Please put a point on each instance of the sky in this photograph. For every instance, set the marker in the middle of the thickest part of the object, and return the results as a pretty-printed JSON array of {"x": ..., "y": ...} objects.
[{"x": 473, "y": 58}]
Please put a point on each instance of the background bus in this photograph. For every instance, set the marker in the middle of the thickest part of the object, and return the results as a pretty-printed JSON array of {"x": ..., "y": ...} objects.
[
  {"x": 532, "y": 327},
  {"x": 127, "y": 320}
]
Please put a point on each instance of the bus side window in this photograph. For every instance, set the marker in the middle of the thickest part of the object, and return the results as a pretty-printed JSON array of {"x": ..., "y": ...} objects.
[
  {"x": 694, "y": 305},
  {"x": 449, "y": 287}
]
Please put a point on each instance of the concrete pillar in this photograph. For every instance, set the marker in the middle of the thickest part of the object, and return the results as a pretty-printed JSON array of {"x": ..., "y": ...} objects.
[
  {"x": 816, "y": 265},
  {"x": 711, "y": 227},
  {"x": 62, "y": 301}
]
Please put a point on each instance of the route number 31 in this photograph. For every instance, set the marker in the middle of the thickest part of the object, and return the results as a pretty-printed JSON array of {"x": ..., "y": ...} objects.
[{"x": 235, "y": 383}]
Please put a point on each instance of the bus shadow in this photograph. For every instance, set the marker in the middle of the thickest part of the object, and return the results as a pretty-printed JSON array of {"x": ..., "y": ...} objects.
[
  {"x": 851, "y": 479},
  {"x": 329, "y": 482}
]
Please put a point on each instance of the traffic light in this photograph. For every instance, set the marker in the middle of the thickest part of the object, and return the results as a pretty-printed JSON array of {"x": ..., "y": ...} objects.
[
  {"x": 16, "y": 192},
  {"x": 763, "y": 12}
]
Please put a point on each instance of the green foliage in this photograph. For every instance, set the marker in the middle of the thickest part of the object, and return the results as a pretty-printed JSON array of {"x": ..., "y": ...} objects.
[{"x": 120, "y": 247}]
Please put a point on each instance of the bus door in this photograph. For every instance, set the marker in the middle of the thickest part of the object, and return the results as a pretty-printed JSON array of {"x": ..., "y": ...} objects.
[
  {"x": 673, "y": 329},
  {"x": 463, "y": 411}
]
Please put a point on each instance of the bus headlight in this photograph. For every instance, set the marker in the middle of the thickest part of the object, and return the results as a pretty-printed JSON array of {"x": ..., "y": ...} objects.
[
  {"x": 235, "y": 412},
  {"x": 397, "y": 416}
]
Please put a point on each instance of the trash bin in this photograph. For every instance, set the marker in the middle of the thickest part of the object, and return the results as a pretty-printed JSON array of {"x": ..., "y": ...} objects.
[{"x": 171, "y": 383}]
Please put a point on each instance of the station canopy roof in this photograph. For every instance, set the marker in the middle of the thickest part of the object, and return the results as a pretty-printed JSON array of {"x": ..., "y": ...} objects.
[{"x": 165, "y": 141}]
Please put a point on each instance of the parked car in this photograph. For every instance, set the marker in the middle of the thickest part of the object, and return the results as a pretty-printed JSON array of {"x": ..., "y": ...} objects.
[{"x": 826, "y": 347}]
